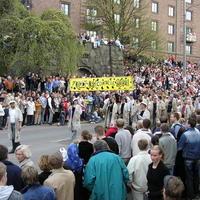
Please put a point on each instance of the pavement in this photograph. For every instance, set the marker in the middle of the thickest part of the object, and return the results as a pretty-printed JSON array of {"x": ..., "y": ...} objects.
[{"x": 44, "y": 139}]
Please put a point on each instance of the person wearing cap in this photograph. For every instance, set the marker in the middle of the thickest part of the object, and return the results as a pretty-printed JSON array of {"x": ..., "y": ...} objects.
[
  {"x": 173, "y": 188},
  {"x": 144, "y": 112},
  {"x": 14, "y": 120}
]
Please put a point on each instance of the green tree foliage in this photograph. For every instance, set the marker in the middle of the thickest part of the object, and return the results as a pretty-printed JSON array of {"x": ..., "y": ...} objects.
[
  {"x": 116, "y": 19},
  {"x": 43, "y": 43}
]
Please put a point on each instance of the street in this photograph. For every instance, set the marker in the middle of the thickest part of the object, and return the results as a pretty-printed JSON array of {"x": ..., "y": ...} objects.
[{"x": 44, "y": 139}]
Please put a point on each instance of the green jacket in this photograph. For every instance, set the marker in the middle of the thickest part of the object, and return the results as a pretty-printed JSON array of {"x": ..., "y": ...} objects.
[{"x": 106, "y": 176}]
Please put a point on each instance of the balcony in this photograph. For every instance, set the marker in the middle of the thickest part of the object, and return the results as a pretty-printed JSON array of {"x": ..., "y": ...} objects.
[{"x": 191, "y": 37}]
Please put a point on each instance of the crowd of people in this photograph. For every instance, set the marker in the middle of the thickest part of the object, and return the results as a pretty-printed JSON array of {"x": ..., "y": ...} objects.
[
  {"x": 149, "y": 138},
  {"x": 97, "y": 42}
]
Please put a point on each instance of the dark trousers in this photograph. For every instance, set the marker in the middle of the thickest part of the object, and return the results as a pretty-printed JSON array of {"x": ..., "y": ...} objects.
[
  {"x": 1, "y": 122},
  {"x": 192, "y": 169},
  {"x": 5, "y": 117},
  {"x": 24, "y": 119},
  {"x": 30, "y": 120}
]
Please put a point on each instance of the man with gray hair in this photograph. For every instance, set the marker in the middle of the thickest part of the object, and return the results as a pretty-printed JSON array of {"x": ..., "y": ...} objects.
[
  {"x": 7, "y": 192},
  {"x": 106, "y": 174}
]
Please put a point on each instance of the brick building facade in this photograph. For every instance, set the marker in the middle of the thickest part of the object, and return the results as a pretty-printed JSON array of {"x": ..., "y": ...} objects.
[{"x": 167, "y": 16}]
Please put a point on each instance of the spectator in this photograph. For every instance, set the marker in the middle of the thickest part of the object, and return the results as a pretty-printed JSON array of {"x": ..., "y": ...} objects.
[
  {"x": 112, "y": 130},
  {"x": 75, "y": 164},
  {"x": 33, "y": 189},
  {"x": 168, "y": 143},
  {"x": 7, "y": 192},
  {"x": 156, "y": 173},
  {"x": 143, "y": 133},
  {"x": 13, "y": 171},
  {"x": 138, "y": 167},
  {"x": 104, "y": 164},
  {"x": 190, "y": 144},
  {"x": 30, "y": 111},
  {"x": 173, "y": 188},
  {"x": 123, "y": 139},
  {"x": 144, "y": 112},
  {"x": 38, "y": 112},
  {"x": 23, "y": 155},
  {"x": 174, "y": 119},
  {"x": 46, "y": 168},
  {"x": 85, "y": 147},
  {"x": 61, "y": 180},
  {"x": 2, "y": 113},
  {"x": 100, "y": 135}
]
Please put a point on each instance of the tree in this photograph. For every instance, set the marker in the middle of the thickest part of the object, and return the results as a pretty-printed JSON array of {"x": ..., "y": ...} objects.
[
  {"x": 123, "y": 19},
  {"x": 43, "y": 43}
]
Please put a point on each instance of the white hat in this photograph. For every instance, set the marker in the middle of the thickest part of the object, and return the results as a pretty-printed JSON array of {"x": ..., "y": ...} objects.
[
  {"x": 144, "y": 103},
  {"x": 12, "y": 101}
]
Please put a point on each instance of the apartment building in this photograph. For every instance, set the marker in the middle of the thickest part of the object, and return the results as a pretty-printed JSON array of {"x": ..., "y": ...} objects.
[{"x": 167, "y": 16}]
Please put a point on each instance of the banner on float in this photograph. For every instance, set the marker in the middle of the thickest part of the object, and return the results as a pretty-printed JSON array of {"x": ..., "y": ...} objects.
[{"x": 102, "y": 84}]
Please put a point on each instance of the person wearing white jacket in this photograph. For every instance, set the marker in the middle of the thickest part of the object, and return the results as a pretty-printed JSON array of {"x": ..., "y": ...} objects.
[
  {"x": 2, "y": 113},
  {"x": 137, "y": 168},
  {"x": 30, "y": 111}
]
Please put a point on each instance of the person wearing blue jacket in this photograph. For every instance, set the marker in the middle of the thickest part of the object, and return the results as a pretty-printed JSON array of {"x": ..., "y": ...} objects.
[
  {"x": 34, "y": 190},
  {"x": 106, "y": 174},
  {"x": 13, "y": 171}
]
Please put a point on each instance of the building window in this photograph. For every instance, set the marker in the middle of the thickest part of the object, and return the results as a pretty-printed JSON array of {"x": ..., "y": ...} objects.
[
  {"x": 154, "y": 25},
  {"x": 188, "y": 1},
  {"x": 188, "y": 49},
  {"x": 117, "y": 1},
  {"x": 170, "y": 47},
  {"x": 154, "y": 7},
  {"x": 170, "y": 29},
  {"x": 154, "y": 44},
  {"x": 188, "y": 30},
  {"x": 65, "y": 8},
  {"x": 136, "y": 3},
  {"x": 135, "y": 42},
  {"x": 189, "y": 15},
  {"x": 171, "y": 11},
  {"x": 91, "y": 33},
  {"x": 91, "y": 12},
  {"x": 137, "y": 22},
  {"x": 117, "y": 18}
]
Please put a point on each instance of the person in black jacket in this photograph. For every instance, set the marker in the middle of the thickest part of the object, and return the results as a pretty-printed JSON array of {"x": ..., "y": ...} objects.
[
  {"x": 45, "y": 167},
  {"x": 85, "y": 147},
  {"x": 13, "y": 171},
  {"x": 100, "y": 134},
  {"x": 156, "y": 173}
]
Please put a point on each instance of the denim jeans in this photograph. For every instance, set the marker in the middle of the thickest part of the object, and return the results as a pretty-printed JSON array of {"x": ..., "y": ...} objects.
[
  {"x": 171, "y": 171},
  {"x": 192, "y": 169}
]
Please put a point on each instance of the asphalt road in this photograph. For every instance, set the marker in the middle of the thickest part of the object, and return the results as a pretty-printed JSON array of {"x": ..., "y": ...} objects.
[{"x": 44, "y": 139}]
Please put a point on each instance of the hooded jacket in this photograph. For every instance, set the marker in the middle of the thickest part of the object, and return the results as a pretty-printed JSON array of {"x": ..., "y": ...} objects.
[{"x": 8, "y": 193}]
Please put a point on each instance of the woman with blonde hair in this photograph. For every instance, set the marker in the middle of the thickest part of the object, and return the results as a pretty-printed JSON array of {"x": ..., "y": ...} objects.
[
  {"x": 23, "y": 155},
  {"x": 46, "y": 168},
  {"x": 156, "y": 173}
]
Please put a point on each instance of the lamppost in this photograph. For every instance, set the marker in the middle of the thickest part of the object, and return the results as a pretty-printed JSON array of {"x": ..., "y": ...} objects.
[
  {"x": 184, "y": 44},
  {"x": 185, "y": 40},
  {"x": 110, "y": 57}
]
